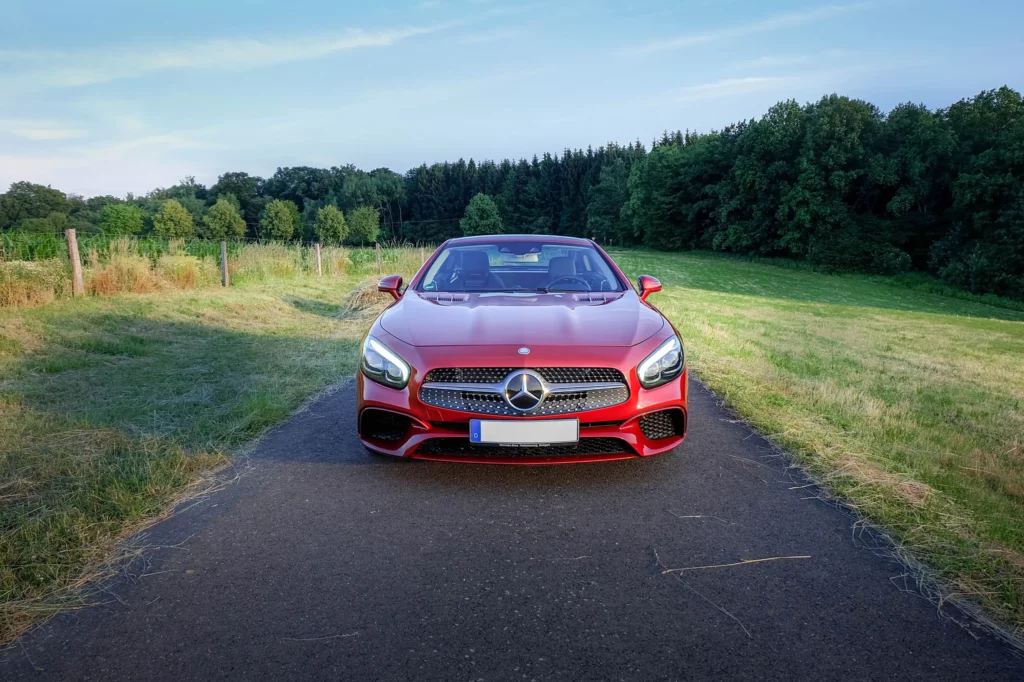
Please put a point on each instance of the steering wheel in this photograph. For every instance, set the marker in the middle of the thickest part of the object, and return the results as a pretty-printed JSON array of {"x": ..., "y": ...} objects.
[
  {"x": 596, "y": 281},
  {"x": 570, "y": 278}
]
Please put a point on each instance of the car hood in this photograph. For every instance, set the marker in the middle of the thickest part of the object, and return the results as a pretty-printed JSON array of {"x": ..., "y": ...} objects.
[{"x": 566, "y": 319}]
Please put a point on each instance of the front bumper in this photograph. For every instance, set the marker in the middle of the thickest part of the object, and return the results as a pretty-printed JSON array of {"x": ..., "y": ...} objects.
[{"x": 427, "y": 424}]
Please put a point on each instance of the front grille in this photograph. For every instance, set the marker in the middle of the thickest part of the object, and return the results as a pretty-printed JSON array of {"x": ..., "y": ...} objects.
[
  {"x": 555, "y": 375},
  {"x": 461, "y": 447},
  {"x": 480, "y": 390},
  {"x": 663, "y": 424},
  {"x": 494, "y": 403}
]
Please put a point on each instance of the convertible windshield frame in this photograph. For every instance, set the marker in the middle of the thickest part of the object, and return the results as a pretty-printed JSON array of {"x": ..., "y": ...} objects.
[{"x": 521, "y": 267}]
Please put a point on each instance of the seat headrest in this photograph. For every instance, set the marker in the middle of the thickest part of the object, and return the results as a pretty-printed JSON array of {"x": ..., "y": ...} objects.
[
  {"x": 475, "y": 263},
  {"x": 561, "y": 266}
]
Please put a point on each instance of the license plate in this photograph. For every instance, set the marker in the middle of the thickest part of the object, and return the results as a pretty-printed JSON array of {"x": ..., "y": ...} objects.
[{"x": 516, "y": 433}]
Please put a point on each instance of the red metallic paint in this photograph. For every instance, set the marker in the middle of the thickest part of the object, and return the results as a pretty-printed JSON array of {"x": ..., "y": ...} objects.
[
  {"x": 487, "y": 330},
  {"x": 391, "y": 285},
  {"x": 648, "y": 285}
]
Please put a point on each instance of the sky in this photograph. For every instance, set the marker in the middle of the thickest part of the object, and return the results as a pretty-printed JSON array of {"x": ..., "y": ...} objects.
[{"x": 120, "y": 96}]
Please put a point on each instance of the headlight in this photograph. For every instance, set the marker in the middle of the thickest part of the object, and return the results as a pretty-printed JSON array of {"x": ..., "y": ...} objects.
[
  {"x": 663, "y": 365},
  {"x": 381, "y": 364}
]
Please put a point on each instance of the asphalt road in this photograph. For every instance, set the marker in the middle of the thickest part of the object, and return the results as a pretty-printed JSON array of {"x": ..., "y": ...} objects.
[{"x": 323, "y": 562}]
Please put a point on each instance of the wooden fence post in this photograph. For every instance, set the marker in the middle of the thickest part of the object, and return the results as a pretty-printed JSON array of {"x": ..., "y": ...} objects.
[
  {"x": 77, "y": 282},
  {"x": 379, "y": 270},
  {"x": 319, "y": 267},
  {"x": 224, "y": 263}
]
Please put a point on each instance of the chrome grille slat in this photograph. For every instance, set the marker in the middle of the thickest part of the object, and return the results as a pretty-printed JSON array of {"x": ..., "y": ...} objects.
[
  {"x": 554, "y": 375},
  {"x": 483, "y": 393}
]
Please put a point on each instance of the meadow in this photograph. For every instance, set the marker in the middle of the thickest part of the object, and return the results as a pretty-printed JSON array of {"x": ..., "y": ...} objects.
[
  {"x": 908, "y": 405},
  {"x": 112, "y": 407},
  {"x": 905, "y": 403}
]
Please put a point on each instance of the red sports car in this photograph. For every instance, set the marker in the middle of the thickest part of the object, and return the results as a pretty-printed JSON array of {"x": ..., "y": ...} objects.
[{"x": 521, "y": 349}]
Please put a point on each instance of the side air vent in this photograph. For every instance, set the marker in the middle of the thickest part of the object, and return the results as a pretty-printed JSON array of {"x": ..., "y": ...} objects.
[
  {"x": 383, "y": 425},
  {"x": 664, "y": 424},
  {"x": 444, "y": 297}
]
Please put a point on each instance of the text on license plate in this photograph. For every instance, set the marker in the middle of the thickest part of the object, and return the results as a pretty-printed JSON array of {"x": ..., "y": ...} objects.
[{"x": 531, "y": 432}]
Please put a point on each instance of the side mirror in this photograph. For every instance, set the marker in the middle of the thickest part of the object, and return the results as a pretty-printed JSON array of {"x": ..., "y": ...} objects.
[
  {"x": 390, "y": 285},
  {"x": 648, "y": 285}
]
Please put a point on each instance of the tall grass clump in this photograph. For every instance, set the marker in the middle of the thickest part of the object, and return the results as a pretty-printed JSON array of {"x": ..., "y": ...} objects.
[
  {"x": 256, "y": 262},
  {"x": 182, "y": 270},
  {"x": 123, "y": 271},
  {"x": 335, "y": 260},
  {"x": 31, "y": 283}
]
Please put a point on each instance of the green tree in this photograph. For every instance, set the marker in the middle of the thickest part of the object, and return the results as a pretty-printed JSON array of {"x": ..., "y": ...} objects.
[
  {"x": 984, "y": 249},
  {"x": 605, "y": 202},
  {"x": 27, "y": 200},
  {"x": 329, "y": 226},
  {"x": 173, "y": 220},
  {"x": 481, "y": 217},
  {"x": 296, "y": 215},
  {"x": 223, "y": 221},
  {"x": 364, "y": 225},
  {"x": 248, "y": 191},
  {"x": 121, "y": 219},
  {"x": 652, "y": 209},
  {"x": 278, "y": 220}
]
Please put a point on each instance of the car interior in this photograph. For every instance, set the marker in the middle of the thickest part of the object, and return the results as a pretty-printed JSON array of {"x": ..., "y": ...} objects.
[{"x": 513, "y": 268}]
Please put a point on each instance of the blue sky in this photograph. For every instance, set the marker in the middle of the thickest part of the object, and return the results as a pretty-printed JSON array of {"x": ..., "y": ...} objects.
[{"x": 111, "y": 97}]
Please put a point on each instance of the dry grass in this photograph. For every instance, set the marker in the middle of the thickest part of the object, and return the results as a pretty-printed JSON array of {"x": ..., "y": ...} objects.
[
  {"x": 121, "y": 268},
  {"x": 187, "y": 272},
  {"x": 25, "y": 284},
  {"x": 123, "y": 271},
  {"x": 366, "y": 300},
  {"x": 110, "y": 408}
]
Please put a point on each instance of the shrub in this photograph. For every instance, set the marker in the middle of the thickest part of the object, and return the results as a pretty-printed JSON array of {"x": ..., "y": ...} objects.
[
  {"x": 278, "y": 220},
  {"x": 121, "y": 219},
  {"x": 364, "y": 225},
  {"x": 481, "y": 217},
  {"x": 173, "y": 220},
  {"x": 330, "y": 227},
  {"x": 223, "y": 221}
]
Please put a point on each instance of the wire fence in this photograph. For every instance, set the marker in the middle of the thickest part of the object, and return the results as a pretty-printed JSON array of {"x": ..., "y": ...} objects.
[{"x": 33, "y": 246}]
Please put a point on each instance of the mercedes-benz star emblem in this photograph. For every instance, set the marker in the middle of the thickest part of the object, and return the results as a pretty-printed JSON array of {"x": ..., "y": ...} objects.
[
  {"x": 524, "y": 351},
  {"x": 525, "y": 390}
]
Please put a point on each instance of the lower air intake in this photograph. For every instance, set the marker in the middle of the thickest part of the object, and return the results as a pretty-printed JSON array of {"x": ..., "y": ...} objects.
[
  {"x": 664, "y": 424},
  {"x": 461, "y": 447},
  {"x": 383, "y": 425}
]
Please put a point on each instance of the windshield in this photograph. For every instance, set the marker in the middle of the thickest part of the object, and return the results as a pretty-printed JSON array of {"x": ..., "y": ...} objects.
[{"x": 520, "y": 267}]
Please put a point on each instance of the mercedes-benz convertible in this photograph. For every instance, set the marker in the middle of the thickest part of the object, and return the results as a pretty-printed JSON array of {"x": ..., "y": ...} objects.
[{"x": 521, "y": 349}]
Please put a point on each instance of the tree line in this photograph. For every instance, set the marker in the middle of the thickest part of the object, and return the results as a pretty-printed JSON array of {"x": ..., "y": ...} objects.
[{"x": 836, "y": 182}]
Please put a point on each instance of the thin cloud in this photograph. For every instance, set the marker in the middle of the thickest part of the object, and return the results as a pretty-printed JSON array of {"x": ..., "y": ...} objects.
[
  {"x": 773, "y": 61},
  {"x": 771, "y": 24},
  {"x": 74, "y": 69},
  {"x": 728, "y": 87},
  {"x": 39, "y": 130},
  {"x": 492, "y": 36}
]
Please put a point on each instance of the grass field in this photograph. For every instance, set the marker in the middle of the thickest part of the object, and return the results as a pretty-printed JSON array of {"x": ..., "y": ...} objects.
[
  {"x": 110, "y": 408},
  {"x": 908, "y": 404}
]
